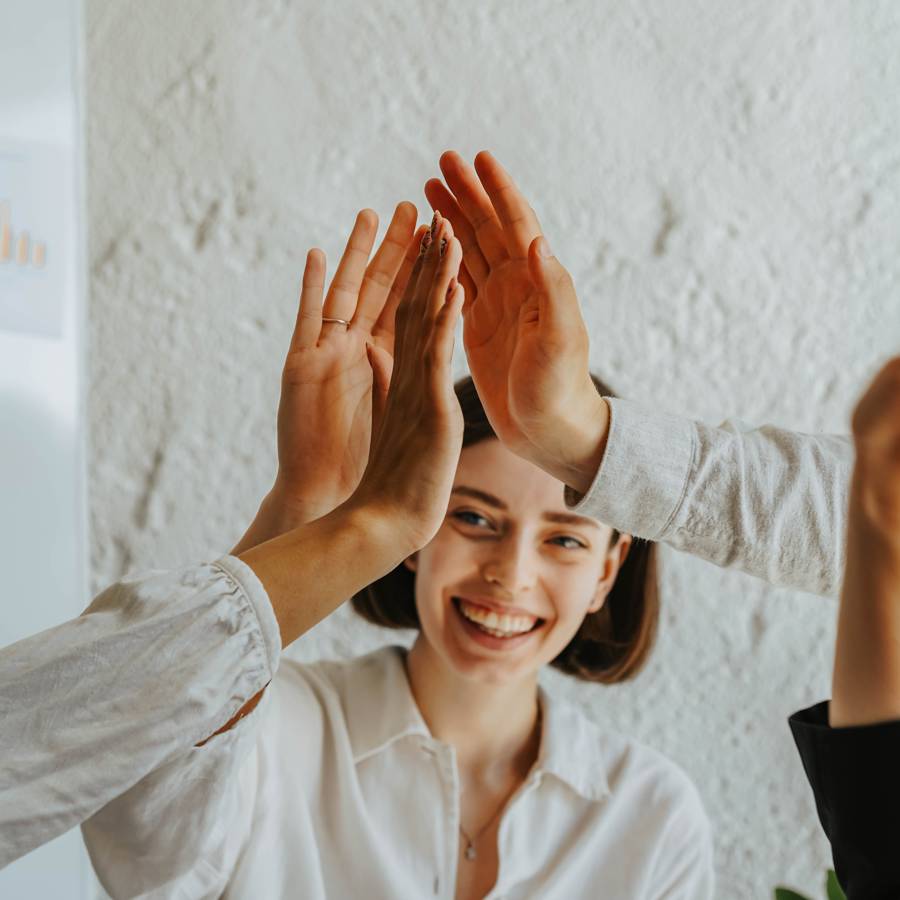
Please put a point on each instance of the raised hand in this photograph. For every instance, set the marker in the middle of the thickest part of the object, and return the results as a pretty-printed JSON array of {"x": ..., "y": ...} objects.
[
  {"x": 525, "y": 338},
  {"x": 419, "y": 436},
  {"x": 334, "y": 374},
  {"x": 402, "y": 497}
]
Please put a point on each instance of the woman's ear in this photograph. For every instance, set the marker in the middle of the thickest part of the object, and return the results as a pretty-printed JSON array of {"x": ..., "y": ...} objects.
[
  {"x": 615, "y": 559},
  {"x": 412, "y": 562}
]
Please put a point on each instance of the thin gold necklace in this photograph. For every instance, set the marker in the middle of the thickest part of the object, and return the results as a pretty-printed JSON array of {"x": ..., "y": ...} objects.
[{"x": 470, "y": 853}]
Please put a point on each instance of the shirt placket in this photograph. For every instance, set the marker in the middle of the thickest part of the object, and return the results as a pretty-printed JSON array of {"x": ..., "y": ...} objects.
[
  {"x": 445, "y": 758},
  {"x": 445, "y": 882},
  {"x": 503, "y": 852}
]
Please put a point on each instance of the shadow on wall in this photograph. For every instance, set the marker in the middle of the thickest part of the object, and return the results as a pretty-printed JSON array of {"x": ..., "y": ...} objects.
[{"x": 40, "y": 525}]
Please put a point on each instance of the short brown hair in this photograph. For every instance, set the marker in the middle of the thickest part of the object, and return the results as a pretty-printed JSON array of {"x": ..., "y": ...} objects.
[{"x": 611, "y": 645}]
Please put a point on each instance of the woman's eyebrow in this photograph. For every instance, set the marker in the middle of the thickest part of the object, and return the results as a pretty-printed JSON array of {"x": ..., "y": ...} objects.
[
  {"x": 497, "y": 503},
  {"x": 569, "y": 519},
  {"x": 484, "y": 496}
]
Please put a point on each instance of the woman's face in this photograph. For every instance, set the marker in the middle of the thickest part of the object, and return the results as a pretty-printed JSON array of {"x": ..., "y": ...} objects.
[{"x": 512, "y": 557}]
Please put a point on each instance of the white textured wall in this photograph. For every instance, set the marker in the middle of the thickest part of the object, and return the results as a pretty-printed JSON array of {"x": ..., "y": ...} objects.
[{"x": 721, "y": 179}]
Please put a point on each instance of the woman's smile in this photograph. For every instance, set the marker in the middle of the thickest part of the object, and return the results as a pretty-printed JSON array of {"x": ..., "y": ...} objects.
[{"x": 488, "y": 629}]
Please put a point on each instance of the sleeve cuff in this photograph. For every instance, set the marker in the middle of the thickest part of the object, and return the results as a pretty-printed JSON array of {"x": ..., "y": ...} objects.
[
  {"x": 254, "y": 592},
  {"x": 642, "y": 478},
  {"x": 847, "y": 768},
  {"x": 856, "y": 784},
  {"x": 814, "y": 719}
]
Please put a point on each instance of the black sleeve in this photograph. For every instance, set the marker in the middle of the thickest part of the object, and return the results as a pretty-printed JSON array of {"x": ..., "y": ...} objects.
[{"x": 855, "y": 776}]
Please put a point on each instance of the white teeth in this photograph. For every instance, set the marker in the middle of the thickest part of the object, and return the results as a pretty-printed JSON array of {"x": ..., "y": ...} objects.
[{"x": 499, "y": 626}]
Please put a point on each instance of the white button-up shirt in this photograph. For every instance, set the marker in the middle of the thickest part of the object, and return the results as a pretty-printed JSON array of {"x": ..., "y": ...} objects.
[{"x": 334, "y": 788}]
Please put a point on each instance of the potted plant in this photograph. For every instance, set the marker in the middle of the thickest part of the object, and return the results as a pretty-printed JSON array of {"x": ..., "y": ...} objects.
[{"x": 833, "y": 890}]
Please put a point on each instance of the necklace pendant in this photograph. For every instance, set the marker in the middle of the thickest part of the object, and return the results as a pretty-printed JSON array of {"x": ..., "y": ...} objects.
[{"x": 470, "y": 853}]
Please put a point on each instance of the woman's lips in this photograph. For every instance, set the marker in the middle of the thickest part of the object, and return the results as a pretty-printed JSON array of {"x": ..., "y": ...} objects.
[
  {"x": 501, "y": 609},
  {"x": 488, "y": 640}
]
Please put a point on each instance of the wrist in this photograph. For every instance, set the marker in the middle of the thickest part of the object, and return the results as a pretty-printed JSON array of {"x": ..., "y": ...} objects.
[
  {"x": 316, "y": 497},
  {"x": 311, "y": 570},
  {"x": 286, "y": 511},
  {"x": 389, "y": 529},
  {"x": 276, "y": 515},
  {"x": 872, "y": 569},
  {"x": 875, "y": 500},
  {"x": 576, "y": 442}
]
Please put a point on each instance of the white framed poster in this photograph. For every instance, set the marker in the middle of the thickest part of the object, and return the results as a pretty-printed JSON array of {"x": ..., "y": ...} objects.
[
  {"x": 43, "y": 530},
  {"x": 33, "y": 226}
]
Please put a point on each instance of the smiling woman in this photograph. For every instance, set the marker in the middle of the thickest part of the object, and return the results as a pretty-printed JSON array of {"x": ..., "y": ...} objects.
[
  {"x": 513, "y": 581},
  {"x": 611, "y": 644},
  {"x": 444, "y": 769}
]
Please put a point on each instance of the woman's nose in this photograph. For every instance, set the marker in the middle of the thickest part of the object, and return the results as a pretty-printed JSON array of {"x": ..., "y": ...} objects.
[{"x": 509, "y": 566}]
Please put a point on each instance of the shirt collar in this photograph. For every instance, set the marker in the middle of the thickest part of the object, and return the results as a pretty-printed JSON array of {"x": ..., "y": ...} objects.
[
  {"x": 379, "y": 702},
  {"x": 381, "y": 710},
  {"x": 571, "y": 748}
]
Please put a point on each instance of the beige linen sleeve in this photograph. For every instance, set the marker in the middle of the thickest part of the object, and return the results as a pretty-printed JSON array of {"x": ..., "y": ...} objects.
[
  {"x": 764, "y": 500},
  {"x": 89, "y": 708}
]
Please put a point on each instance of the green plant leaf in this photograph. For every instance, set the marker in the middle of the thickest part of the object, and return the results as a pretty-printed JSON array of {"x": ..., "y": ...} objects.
[
  {"x": 833, "y": 886},
  {"x": 783, "y": 893}
]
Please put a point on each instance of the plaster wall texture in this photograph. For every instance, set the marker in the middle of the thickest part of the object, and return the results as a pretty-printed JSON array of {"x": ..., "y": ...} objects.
[{"x": 720, "y": 179}]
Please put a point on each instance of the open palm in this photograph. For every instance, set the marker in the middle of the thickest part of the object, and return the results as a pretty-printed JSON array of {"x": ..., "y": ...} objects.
[
  {"x": 498, "y": 355},
  {"x": 324, "y": 420},
  {"x": 528, "y": 354},
  {"x": 334, "y": 375}
]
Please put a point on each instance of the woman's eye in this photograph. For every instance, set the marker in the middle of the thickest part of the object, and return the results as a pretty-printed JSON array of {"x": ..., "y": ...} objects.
[
  {"x": 569, "y": 543},
  {"x": 470, "y": 518}
]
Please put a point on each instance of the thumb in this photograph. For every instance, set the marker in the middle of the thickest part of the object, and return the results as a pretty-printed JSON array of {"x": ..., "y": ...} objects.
[
  {"x": 382, "y": 364},
  {"x": 558, "y": 302},
  {"x": 876, "y": 419}
]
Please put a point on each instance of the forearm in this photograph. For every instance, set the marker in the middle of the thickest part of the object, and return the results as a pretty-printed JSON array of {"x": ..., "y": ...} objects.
[
  {"x": 866, "y": 685},
  {"x": 309, "y": 571}
]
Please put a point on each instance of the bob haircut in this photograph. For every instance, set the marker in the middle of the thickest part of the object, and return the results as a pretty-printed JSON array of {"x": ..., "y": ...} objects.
[{"x": 611, "y": 644}]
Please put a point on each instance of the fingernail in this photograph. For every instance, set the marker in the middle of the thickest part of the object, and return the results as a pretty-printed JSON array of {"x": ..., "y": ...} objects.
[
  {"x": 434, "y": 219},
  {"x": 544, "y": 248},
  {"x": 426, "y": 243},
  {"x": 443, "y": 246}
]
